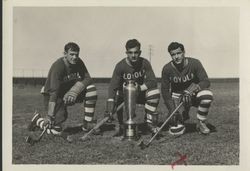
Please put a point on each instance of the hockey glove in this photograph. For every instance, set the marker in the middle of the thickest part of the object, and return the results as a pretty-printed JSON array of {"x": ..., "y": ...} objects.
[
  {"x": 142, "y": 87},
  {"x": 70, "y": 97},
  {"x": 49, "y": 120},
  {"x": 110, "y": 107},
  {"x": 187, "y": 99},
  {"x": 189, "y": 92},
  {"x": 192, "y": 89}
]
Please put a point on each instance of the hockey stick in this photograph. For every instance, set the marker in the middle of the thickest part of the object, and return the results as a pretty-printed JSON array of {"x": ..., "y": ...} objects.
[
  {"x": 32, "y": 141},
  {"x": 100, "y": 123},
  {"x": 143, "y": 145}
]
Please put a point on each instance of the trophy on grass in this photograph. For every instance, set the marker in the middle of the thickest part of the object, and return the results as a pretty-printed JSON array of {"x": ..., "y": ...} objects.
[{"x": 130, "y": 95}]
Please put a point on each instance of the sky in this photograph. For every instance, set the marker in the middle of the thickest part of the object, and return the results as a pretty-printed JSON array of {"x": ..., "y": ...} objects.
[{"x": 210, "y": 34}]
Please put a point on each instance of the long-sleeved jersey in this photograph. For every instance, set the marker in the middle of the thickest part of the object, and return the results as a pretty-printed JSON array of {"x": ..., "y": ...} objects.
[
  {"x": 177, "y": 81},
  {"x": 62, "y": 76},
  {"x": 141, "y": 72}
]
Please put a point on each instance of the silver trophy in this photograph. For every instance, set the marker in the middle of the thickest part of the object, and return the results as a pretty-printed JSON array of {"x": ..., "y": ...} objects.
[{"x": 130, "y": 95}]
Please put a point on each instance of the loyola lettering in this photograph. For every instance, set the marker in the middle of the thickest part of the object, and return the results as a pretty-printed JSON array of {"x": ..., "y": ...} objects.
[
  {"x": 183, "y": 79},
  {"x": 72, "y": 76},
  {"x": 129, "y": 76}
]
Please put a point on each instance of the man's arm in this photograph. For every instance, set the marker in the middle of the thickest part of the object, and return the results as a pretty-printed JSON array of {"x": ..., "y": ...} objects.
[
  {"x": 54, "y": 82},
  {"x": 166, "y": 92},
  {"x": 87, "y": 80},
  {"x": 70, "y": 97},
  {"x": 202, "y": 75},
  {"x": 115, "y": 82},
  {"x": 150, "y": 79}
]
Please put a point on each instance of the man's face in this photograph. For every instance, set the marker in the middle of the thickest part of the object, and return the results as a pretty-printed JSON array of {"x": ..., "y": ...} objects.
[
  {"x": 177, "y": 55},
  {"x": 72, "y": 56},
  {"x": 133, "y": 54}
]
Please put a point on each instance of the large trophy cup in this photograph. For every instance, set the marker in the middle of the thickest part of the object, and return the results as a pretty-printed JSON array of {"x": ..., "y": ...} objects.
[{"x": 130, "y": 95}]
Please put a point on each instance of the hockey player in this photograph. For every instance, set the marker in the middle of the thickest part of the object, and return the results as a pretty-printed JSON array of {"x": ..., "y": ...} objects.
[
  {"x": 134, "y": 67},
  {"x": 185, "y": 80},
  {"x": 68, "y": 82}
]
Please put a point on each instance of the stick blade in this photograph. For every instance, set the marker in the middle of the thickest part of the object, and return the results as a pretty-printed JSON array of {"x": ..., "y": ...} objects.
[
  {"x": 142, "y": 145},
  {"x": 29, "y": 140},
  {"x": 84, "y": 137}
]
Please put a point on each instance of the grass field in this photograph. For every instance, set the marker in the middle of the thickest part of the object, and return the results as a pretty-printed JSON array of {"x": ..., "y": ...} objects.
[{"x": 221, "y": 147}]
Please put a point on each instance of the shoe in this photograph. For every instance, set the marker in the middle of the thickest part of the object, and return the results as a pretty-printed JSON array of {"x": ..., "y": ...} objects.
[
  {"x": 202, "y": 128},
  {"x": 32, "y": 126},
  {"x": 177, "y": 130},
  {"x": 119, "y": 131},
  {"x": 55, "y": 130},
  {"x": 87, "y": 126}
]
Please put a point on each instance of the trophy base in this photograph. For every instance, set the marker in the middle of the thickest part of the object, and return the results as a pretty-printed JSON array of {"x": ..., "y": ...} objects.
[{"x": 131, "y": 132}]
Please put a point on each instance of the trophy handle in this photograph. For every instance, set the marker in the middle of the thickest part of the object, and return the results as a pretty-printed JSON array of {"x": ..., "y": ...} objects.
[{"x": 136, "y": 85}]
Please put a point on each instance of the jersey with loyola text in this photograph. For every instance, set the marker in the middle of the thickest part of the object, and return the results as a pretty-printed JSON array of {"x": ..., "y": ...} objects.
[
  {"x": 141, "y": 72},
  {"x": 177, "y": 81},
  {"x": 62, "y": 76}
]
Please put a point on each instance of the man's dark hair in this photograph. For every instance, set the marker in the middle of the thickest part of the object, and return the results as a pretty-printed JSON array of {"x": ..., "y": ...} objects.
[
  {"x": 175, "y": 45},
  {"x": 71, "y": 46},
  {"x": 132, "y": 43}
]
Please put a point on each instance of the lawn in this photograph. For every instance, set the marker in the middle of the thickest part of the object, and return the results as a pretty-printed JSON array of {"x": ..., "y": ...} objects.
[{"x": 221, "y": 147}]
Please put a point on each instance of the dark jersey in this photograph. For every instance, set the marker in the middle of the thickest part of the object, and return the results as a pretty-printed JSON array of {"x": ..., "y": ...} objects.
[
  {"x": 141, "y": 72},
  {"x": 177, "y": 81},
  {"x": 62, "y": 76}
]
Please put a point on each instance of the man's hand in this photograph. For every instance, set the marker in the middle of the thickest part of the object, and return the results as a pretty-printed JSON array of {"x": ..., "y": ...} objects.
[
  {"x": 70, "y": 98},
  {"x": 48, "y": 120},
  {"x": 189, "y": 92},
  {"x": 141, "y": 88},
  {"x": 187, "y": 99},
  {"x": 110, "y": 107},
  {"x": 192, "y": 89}
]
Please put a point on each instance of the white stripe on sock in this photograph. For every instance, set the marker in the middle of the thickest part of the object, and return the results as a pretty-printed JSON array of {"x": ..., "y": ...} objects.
[
  {"x": 90, "y": 94},
  {"x": 89, "y": 110},
  {"x": 202, "y": 109},
  {"x": 153, "y": 92},
  {"x": 204, "y": 92},
  {"x": 87, "y": 118},
  {"x": 201, "y": 117},
  {"x": 151, "y": 108}
]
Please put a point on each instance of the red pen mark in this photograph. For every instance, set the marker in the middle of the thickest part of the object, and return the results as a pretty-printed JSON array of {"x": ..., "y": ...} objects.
[{"x": 182, "y": 159}]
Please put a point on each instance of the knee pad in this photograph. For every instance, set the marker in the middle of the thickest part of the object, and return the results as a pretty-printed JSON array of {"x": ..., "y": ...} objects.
[
  {"x": 205, "y": 96},
  {"x": 152, "y": 100},
  {"x": 91, "y": 93},
  {"x": 153, "y": 95}
]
